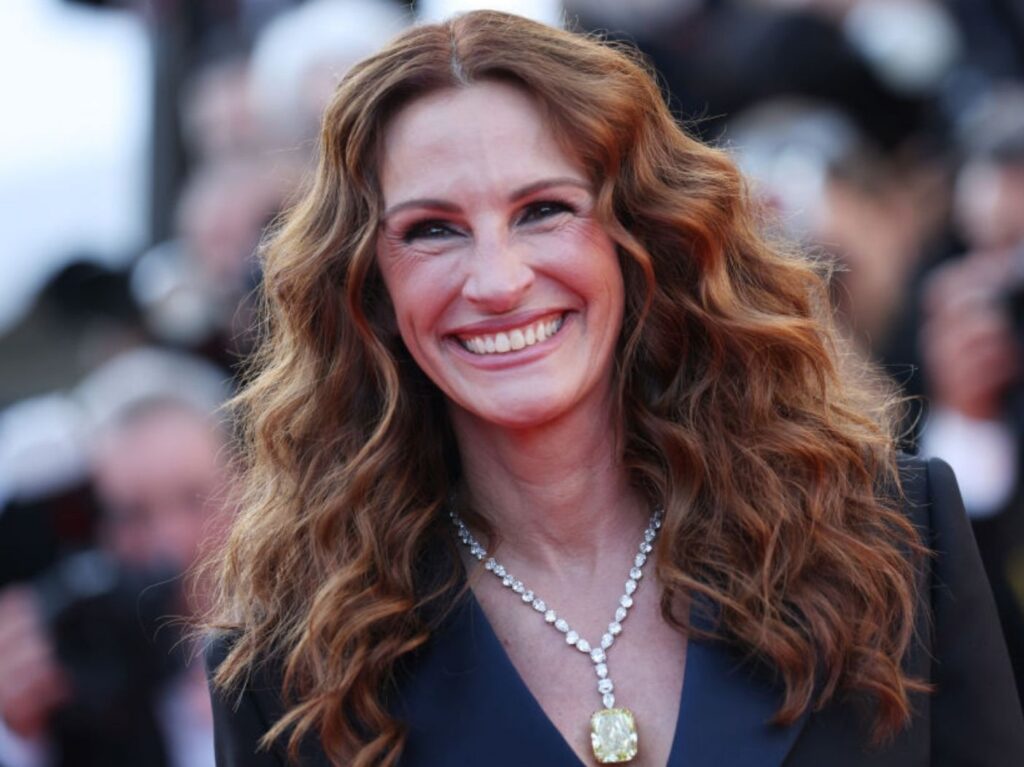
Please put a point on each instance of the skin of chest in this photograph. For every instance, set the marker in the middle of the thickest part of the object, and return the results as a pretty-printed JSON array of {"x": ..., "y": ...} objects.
[{"x": 646, "y": 663}]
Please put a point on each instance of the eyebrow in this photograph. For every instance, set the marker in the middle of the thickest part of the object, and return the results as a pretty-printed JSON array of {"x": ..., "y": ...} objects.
[{"x": 516, "y": 194}]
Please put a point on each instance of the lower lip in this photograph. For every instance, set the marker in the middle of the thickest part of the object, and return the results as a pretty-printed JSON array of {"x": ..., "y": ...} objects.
[{"x": 523, "y": 356}]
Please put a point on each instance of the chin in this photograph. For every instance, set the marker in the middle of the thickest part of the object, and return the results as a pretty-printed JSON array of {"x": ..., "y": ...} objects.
[
  {"x": 534, "y": 415},
  {"x": 518, "y": 412}
]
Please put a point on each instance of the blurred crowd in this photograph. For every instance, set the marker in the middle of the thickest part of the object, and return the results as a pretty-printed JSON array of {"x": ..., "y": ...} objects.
[{"x": 886, "y": 135}]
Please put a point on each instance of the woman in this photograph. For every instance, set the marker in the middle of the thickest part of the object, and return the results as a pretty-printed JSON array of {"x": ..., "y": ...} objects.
[{"x": 527, "y": 344}]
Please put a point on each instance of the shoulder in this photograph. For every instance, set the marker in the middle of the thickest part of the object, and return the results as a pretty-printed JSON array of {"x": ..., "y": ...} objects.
[
  {"x": 244, "y": 713},
  {"x": 975, "y": 709},
  {"x": 921, "y": 481},
  {"x": 973, "y": 714},
  {"x": 931, "y": 500},
  {"x": 216, "y": 647}
]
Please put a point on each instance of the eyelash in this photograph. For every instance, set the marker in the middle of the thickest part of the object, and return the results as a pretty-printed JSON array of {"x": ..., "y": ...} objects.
[
  {"x": 424, "y": 230},
  {"x": 533, "y": 210},
  {"x": 434, "y": 228}
]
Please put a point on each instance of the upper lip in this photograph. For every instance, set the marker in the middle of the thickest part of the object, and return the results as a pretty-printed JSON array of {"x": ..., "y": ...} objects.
[{"x": 505, "y": 322}]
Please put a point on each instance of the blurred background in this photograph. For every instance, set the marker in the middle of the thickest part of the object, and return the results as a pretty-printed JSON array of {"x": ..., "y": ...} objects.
[{"x": 146, "y": 144}]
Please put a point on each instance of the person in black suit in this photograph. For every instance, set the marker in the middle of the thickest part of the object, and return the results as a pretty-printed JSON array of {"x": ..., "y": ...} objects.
[{"x": 554, "y": 457}]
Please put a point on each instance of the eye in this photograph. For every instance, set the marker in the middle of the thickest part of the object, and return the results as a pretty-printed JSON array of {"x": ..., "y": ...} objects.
[
  {"x": 542, "y": 209},
  {"x": 432, "y": 229}
]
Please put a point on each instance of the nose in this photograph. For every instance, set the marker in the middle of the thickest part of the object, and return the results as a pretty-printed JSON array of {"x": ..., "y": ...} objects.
[{"x": 499, "y": 277}]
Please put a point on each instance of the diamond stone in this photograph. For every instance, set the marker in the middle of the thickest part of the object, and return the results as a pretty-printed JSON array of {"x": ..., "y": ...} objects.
[
  {"x": 620, "y": 614},
  {"x": 539, "y": 606},
  {"x": 518, "y": 587},
  {"x": 630, "y": 586},
  {"x": 490, "y": 564},
  {"x": 507, "y": 580},
  {"x": 614, "y": 628},
  {"x": 607, "y": 641},
  {"x": 572, "y": 637},
  {"x": 626, "y": 601},
  {"x": 646, "y": 548},
  {"x": 583, "y": 645},
  {"x": 636, "y": 573},
  {"x": 601, "y": 670},
  {"x": 561, "y": 625},
  {"x": 613, "y": 735},
  {"x": 550, "y": 616},
  {"x": 639, "y": 560},
  {"x": 605, "y": 686},
  {"x": 609, "y": 700},
  {"x": 499, "y": 570},
  {"x": 528, "y": 596},
  {"x": 597, "y": 655}
]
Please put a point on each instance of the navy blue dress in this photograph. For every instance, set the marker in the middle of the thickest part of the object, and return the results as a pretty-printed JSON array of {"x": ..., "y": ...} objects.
[{"x": 465, "y": 703}]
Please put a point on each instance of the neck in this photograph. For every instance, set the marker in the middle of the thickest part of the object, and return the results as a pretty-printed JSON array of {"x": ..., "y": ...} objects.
[{"x": 558, "y": 496}]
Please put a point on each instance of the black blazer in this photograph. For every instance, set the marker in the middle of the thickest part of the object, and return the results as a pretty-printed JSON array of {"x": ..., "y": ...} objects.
[{"x": 466, "y": 705}]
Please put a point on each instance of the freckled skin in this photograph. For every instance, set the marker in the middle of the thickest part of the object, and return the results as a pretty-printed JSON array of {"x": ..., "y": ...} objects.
[{"x": 461, "y": 244}]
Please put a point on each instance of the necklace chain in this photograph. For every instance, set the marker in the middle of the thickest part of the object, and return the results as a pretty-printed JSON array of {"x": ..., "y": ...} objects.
[{"x": 597, "y": 651}]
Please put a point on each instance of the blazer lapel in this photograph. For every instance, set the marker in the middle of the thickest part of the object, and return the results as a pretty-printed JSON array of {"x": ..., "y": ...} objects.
[
  {"x": 725, "y": 712},
  {"x": 464, "y": 703}
]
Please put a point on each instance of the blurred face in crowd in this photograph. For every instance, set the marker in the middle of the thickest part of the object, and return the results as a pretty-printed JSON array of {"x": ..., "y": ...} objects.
[
  {"x": 221, "y": 216},
  {"x": 161, "y": 481},
  {"x": 989, "y": 204},
  {"x": 875, "y": 233}
]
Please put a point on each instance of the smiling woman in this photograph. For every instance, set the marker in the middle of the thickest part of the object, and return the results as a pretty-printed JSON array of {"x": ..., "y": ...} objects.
[{"x": 532, "y": 370}]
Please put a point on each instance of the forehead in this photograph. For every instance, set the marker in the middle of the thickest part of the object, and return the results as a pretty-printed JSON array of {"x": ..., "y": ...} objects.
[{"x": 480, "y": 135}]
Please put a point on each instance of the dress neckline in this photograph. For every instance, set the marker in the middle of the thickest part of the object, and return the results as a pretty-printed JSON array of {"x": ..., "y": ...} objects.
[{"x": 494, "y": 649}]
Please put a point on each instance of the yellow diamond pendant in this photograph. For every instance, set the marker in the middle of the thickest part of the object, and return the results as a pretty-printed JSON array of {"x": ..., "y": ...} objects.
[{"x": 613, "y": 735}]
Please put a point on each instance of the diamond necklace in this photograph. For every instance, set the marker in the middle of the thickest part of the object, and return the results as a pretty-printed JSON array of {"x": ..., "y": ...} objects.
[{"x": 613, "y": 735}]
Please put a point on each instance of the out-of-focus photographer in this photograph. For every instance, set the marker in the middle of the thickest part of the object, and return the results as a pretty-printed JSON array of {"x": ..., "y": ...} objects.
[
  {"x": 91, "y": 670},
  {"x": 972, "y": 352}
]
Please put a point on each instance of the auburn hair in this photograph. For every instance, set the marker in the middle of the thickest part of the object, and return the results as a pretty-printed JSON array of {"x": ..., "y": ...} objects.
[{"x": 744, "y": 415}]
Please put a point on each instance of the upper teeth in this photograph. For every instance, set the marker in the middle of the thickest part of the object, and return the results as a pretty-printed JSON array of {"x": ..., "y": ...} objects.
[{"x": 513, "y": 340}]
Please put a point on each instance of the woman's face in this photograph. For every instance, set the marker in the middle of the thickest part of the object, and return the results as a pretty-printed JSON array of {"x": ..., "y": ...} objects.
[{"x": 506, "y": 289}]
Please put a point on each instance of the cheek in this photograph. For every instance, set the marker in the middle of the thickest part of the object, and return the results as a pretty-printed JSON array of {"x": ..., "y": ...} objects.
[
  {"x": 417, "y": 292},
  {"x": 588, "y": 257}
]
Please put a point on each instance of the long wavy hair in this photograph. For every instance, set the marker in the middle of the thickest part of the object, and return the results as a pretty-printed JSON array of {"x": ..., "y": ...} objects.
[{"x": 767, "y": 443}]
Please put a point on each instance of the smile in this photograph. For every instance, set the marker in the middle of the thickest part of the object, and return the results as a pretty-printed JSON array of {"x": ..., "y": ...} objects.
[{"x": 512, "y": 340}]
